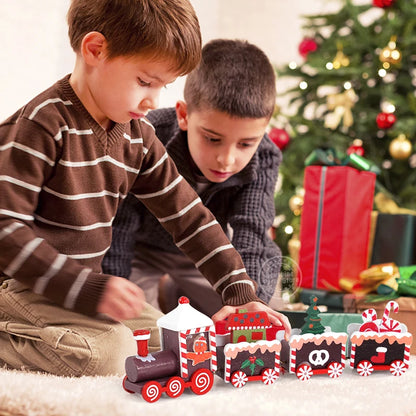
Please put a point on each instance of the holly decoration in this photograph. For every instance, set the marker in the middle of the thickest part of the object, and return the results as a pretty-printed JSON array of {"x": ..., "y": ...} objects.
[
  {"x": 306, "y": 46},
  {"x": 385, "y": 120},
  {"x": 279, "y": 137},
  {"x": 313, "y": 321},
  {"x": 252, "y": 362}
]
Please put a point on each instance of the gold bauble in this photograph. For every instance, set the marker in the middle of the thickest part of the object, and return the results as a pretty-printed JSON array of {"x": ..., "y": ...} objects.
[
  {"x": 293, "y": 246},
  {"x": 400, "y": 148},
  {"x": 296, "y": 204}
]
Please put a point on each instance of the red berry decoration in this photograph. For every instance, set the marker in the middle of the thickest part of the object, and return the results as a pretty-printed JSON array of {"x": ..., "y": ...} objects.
[
  {"x": 279, "y": 137},
  {"x": 385, "y": 120},
  {"x": 307, "y": 45},
  {"x": 383, "y": 3}
]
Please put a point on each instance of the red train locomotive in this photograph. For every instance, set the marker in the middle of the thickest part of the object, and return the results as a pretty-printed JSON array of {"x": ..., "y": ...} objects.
[{"x": 188, "y": 357}]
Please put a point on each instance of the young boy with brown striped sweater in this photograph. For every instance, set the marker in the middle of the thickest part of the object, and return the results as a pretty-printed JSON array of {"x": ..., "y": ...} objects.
[{"x": 67, "y": 159}]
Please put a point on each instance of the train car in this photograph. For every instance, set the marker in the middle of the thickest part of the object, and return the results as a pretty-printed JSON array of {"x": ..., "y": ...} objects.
[
  {"x": 312, "y": 354},
  {"x": 248, "y": 349},
  {"x": 380, "y": 344},
  {"x": 187, "y": 359}
]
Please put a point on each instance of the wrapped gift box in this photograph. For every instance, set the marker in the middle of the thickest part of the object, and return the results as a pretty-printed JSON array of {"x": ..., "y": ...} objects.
[
  {"x": 335, "y": 225},
  {"x": 395, "y": 239}
]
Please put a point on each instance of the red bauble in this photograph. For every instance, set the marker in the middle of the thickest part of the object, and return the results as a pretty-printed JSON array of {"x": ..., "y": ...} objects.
[
  {"x": 356, "y": 147},
  {"x": 279, "y": 137},
  {"x": 385, "y": 120},
  {"x": 307, "y": 45},
  {"x": 383, "y": 3}
]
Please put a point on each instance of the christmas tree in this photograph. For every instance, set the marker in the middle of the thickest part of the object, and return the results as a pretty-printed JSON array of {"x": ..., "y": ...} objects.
[
  {"x": 353, "y": 91},
  {"x": 313, "y": 321}
]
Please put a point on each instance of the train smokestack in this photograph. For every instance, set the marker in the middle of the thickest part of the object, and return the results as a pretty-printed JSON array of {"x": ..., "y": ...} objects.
[{"x": 142, "y": 339}]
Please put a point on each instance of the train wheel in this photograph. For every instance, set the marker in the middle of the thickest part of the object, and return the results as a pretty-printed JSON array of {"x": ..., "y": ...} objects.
[
  {"x": 124, "y": 386},
  {"x": 152, "y": 391},
  {"x": 365, "y": 368},
  {"x": 239, "y": 379},
  {"x": 202, "y": 381},
  {"x": 397, "y": 368},
  {"x": 304, "y": 372},
  {"x": 175, "y": 387},
  {"x": 335, "y": 370},
  {"x": 269, "y": 376}
]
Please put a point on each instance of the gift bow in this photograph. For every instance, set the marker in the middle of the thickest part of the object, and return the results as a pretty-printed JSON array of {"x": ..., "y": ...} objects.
[
  {"x": 384, "y": 279},
  {"x": 329, "y": 157},
  {"x": 340, "y": 105}
]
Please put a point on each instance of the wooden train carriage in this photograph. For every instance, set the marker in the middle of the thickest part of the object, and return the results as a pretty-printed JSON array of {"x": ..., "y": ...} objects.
[
  {"x": 241, "y": 362},
  {"x": 312, "y": 354},
  {"x": 380, "y": 351}
]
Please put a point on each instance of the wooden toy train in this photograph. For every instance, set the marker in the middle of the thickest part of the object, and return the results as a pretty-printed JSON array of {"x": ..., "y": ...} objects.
[{"x": 246, "y": 347}]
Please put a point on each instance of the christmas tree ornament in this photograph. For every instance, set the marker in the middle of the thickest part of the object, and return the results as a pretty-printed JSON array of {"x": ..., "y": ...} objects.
[
  {"x": 383, "y": 3},
  {"x": 306, "y": 46},
  {"x": 390, "y": 54},
  {"x": 356, "y": 148},
  {"x": 339, "y": 106},
  {"x": 293, "y": 246},
  {"x": 385, "y": 120},
  {"x": 279, "y": 137},
  {"x": 400, "y": 148},
  {"x": 340, "y": 60},
  {"x": 296, "y": 204}
]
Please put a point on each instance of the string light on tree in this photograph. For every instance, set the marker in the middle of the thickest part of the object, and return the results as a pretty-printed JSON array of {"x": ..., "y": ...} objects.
[{"x": 296, "y": 204}]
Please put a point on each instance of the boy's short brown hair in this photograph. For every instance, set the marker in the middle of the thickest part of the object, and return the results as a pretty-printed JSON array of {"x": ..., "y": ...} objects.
[
  {"x": 166, "y": 29},
  {"x": 234, "y": 77}
]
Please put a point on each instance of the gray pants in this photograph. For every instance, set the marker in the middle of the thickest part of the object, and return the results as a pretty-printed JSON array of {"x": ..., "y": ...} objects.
[
  {"x": 150, "y": 265},
  {"x": 36, "y": 334}
]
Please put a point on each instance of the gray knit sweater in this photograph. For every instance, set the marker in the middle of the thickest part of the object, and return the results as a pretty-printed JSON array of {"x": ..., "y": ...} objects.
[{"x": 245, "y": 202}]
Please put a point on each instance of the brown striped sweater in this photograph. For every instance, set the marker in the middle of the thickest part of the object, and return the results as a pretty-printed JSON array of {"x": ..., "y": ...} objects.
[{"x": 62, "y": 178}]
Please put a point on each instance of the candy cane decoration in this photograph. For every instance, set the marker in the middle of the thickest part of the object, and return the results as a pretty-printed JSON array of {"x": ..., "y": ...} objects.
[
  {"x": 369, "y": 318},
  {"x": 387, "y": 323},
  {"x": 369, "y": 315}
]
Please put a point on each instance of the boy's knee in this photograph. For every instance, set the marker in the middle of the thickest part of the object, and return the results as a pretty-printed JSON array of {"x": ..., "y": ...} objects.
[{"x": 109, "y": 352}]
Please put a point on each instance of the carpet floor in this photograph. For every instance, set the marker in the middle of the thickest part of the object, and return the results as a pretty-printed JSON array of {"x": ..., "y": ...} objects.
[{"x": 32, "y": 394}]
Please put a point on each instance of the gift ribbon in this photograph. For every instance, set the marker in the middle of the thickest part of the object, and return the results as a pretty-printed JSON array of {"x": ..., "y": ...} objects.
[
  {"x": 384, "y": 279},
  {"x": 329, "y": 157}
]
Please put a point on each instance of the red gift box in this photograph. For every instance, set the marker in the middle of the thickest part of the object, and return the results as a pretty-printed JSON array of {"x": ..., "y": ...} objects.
[{"x": 335, "y": 225}]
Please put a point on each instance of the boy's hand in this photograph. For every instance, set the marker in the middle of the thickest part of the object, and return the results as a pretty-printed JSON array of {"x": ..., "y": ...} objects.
[
  {"x": 276, "y": 318},
  {"x": 121, "y": 299}
]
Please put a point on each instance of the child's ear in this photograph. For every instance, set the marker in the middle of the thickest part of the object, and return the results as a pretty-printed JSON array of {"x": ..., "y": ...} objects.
[
  {"x": 93, "y": 47},
  {"x": 182, "y": 115}
]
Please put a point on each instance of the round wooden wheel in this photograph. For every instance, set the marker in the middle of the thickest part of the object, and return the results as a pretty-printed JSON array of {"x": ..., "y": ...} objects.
[
  {"x": 239, "y": 379},
  {"x": 152, "y": 391}
]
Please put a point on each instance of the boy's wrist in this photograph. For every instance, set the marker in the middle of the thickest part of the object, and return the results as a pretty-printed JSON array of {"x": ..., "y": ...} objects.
[{"x": 240, "y": 293}]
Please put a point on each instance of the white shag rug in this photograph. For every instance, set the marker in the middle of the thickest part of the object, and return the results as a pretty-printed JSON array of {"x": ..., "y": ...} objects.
[{"x": 380, "y": 394}]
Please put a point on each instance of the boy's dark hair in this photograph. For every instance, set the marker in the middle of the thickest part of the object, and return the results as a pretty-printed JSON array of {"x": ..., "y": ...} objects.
[
  {"x": 166, "y": 29},
  {"x": 234, "y": 77}
]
